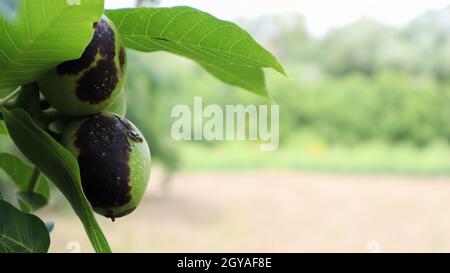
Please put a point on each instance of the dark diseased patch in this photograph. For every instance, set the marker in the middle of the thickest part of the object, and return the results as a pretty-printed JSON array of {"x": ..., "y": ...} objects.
[
  {"x": 98, "y": 83},
  {"x": 102, "y": 43},
  {"x": 113, "y": 216},
  {"x": 104, "y": 152},
  {"x": 122, "y": 59},
  {"x": 131, "y": 133},
  {"x": 44, "y": 105}
]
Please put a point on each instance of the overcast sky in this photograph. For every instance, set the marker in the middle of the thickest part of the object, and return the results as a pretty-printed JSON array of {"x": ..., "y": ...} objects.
[{"x": 321, "y": 15}]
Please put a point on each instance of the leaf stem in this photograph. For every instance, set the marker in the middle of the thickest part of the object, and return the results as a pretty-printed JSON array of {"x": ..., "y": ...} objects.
[
  {"x": 34, "y": 178},
  {"x": 10, "y": 96}
]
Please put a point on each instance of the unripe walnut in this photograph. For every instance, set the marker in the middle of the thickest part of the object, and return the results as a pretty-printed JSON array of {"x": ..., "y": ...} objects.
[
  {"x": 119, "y": 107},
  {"x": 114, "y": 161},
  {"x": 93, "y": 82}
]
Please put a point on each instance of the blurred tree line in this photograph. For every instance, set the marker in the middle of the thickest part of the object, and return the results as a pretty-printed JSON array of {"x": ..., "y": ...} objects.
[
  {"x": 367, "y": 46},
  {"x": 362, "y": 82}
]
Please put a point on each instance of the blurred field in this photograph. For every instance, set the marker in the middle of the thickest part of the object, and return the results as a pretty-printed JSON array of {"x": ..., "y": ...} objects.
[
  {"x": 305, "y": 152},
  {"x": 276, "y": 212}
]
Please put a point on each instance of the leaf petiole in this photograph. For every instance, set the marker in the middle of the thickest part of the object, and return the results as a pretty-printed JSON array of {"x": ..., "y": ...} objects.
[
  {"x": 34, "y": 179},
  {"x": 12, "y": 95}
]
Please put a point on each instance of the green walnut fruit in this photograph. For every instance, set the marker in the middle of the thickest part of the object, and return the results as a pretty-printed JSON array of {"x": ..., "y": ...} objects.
[
  {"x": 93, "y": 82},
  {"x": 114, "y": 161}
]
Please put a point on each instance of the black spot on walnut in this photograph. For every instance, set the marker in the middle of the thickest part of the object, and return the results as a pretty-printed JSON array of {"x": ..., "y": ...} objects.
[
  {"x": 44, "y": 105},
  {"x": 132, "y": 134},
  {"x": 110, "y": 213},
  {"x": 104, "y": 152},
  {"x": 102, "y": 43},
  {"x": 122, "y": 59},
  {"x": 98, "y": 82}
]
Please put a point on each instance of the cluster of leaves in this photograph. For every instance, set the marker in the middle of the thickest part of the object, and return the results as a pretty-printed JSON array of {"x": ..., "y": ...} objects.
[{"x": 29, "y": 49}]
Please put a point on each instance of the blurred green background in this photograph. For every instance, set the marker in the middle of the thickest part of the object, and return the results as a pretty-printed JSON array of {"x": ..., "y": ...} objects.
[{"x": 366, "y": 97}]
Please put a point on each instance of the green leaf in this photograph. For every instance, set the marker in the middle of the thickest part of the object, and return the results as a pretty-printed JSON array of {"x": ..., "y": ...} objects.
[
  {"x": 24, "y": 206},
  {"x": 7, "y": 91},
  {"x": 222, "y": 48},
  {"x": 3, "y": 130},
  {"x": 43, "y": 34},
  {"x": 21, "y": 173},
  {"x": 30, "y": 201},
  {"x": 59, "y": 165},
  {"x": 43, "y": 187},
  {"x": 29, "y": 100},
  {"x": 21, "y": 232}
]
